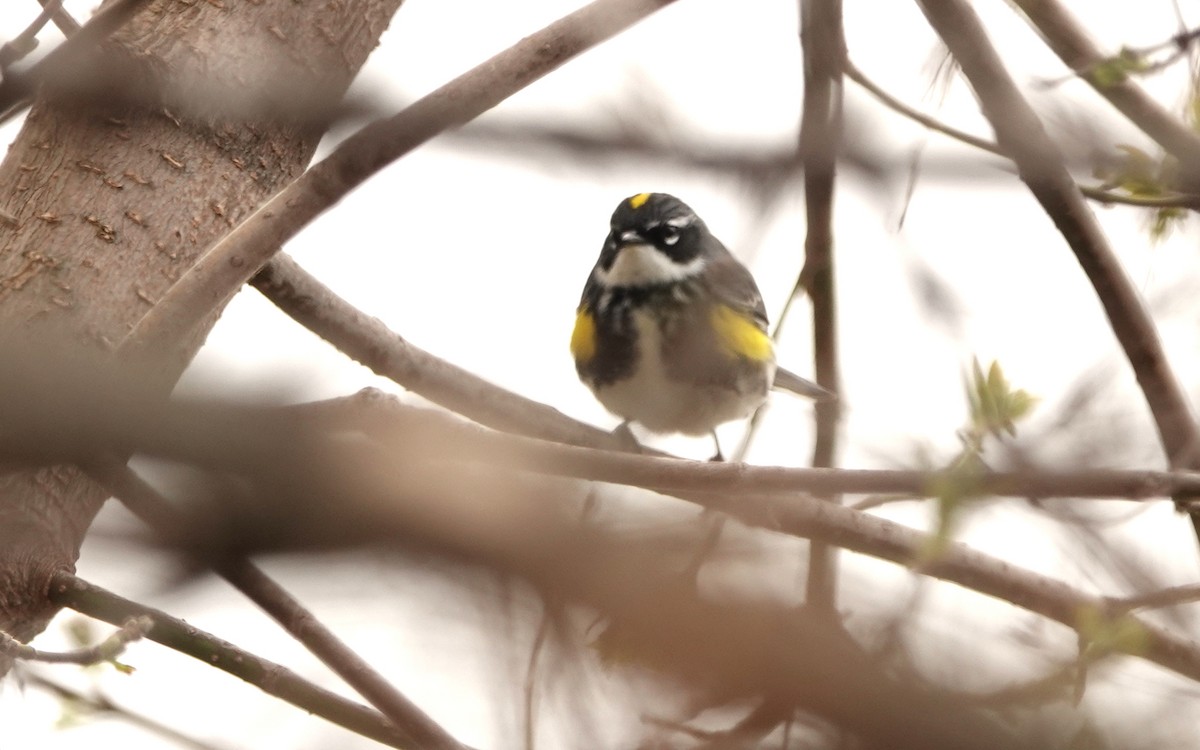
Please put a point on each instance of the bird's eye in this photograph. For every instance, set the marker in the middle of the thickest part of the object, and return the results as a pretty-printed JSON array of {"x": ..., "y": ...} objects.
[{"x": 669, "y": 234}]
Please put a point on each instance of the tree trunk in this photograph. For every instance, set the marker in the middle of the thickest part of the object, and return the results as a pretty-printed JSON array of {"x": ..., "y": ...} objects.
[{"x": 114, "y": 188}]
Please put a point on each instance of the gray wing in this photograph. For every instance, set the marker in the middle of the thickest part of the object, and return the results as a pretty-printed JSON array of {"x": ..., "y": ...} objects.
[{"x": 732, "y": 284}]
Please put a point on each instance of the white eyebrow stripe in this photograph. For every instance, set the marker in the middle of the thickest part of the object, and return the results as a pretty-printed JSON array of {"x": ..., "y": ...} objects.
[{"x": 679, "y": 222}]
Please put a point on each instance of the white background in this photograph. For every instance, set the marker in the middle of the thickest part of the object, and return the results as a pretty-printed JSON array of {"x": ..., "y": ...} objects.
[{"x": 479, "y": 256}]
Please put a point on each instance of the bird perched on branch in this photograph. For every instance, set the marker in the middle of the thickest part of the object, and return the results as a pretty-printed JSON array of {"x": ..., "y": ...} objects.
[{"x": 671, "y": 331}]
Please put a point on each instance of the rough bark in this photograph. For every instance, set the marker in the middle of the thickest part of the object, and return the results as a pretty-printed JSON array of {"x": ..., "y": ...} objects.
[{"x": 124, "y": 172}]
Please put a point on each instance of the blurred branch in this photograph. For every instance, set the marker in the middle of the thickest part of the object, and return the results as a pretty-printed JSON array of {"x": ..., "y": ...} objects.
[
  {"x": 25, "y": 42},
  {"x": 157, "y": 512},
  {"x": 1099, "y": 194},
  {"x": 85, "y": 409},
  {"x": 62, "y": 19},
  {"x": 1168, "y": 597},
  {"x": 134, "y": 628},
  {"x": 652, "y": 614},
  {"x": 531, "y": 670},
  {"x": 273, "y": 679},
  {"x": 1068, "y": 39},
  {"x": 363, "y": 472},
  {"x": 96, "y": 702},
  {"x": 1041, "y": 167},
  {"x": 385, "y": 491},
  {"x": 821, "y": 126},
  {"x": 222, "y": 270},
  {"x": 15, "y": 90},
  {"x": 635, "y": 142}
]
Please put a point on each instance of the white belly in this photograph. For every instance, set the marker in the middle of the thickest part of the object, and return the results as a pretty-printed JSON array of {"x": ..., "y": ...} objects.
[{"x": 662, "y": 405}]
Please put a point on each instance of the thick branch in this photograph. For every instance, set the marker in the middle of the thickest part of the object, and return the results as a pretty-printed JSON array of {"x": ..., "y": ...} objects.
[{"x": 105, "y": 202}]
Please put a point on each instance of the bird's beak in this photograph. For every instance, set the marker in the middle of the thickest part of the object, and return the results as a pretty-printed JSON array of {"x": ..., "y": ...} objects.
[{"x": 615, "y": 243}]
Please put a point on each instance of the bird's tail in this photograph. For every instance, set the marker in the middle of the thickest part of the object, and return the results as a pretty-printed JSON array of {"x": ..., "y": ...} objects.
[{"x": 790, "y": 381}]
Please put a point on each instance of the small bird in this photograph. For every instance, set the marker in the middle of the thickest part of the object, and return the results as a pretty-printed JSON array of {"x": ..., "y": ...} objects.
[{"x": 671, "y": 330}]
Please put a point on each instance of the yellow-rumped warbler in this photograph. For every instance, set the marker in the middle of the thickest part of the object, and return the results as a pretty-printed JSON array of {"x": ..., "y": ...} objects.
[{"x": 671, "y": 330}]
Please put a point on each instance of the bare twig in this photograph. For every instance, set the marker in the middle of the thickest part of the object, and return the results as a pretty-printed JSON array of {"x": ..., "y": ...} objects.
[
  {"x": 1098, "y": 194},
  {"x": 273, "y": 679},
  {"x": 820, "y": 136},
  {"x": 97, "y": 702},
  {"x": 1041, "y": 167},
  {"x": 531, "y": 685},
  {"x": 109, "y": 649},
  {"x": 158, "y": 513},
  {"x": 855, "y": 74},
  {"x": 223, "y": 269}
]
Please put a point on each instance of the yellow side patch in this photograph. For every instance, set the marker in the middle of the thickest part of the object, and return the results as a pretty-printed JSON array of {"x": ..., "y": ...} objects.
[
  {"x": 639, "y": 200},
  {"x": 740, "y": 335},
  {"x": 583, "y": 338}
]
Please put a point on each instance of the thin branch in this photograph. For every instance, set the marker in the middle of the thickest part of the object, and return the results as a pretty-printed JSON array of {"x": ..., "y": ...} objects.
[
  {"x": 1098, "y": 194},
  {"x": 820, "y": 137},
  {"x": 1064, "y": 34},
  {"x": 1041, "y": 167},
  {"x": 396, "y": 424},
  {"x": 66, "y": 590},
  {"x": 853, "y": 72},
  {"x": 157, "y": 512},
  {"x": 1169, "y": 597},
  {"x": 97, "y": 702},
  {"x": 222, "y": 270},
  {"x": 367, "y": 340},
  {"x": 535, "y": 653},
  {"x": 109, "y": 649}
]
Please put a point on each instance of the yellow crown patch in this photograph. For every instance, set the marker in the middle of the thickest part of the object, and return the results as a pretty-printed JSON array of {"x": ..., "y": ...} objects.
[{"x": 639, "y": 200}]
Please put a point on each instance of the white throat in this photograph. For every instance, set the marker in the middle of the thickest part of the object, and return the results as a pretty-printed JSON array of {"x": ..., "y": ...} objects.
[{"x": 644, "y": 265}]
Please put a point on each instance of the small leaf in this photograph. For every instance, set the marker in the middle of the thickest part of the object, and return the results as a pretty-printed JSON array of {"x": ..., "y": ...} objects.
[
  {"x": 1113, "y": 71},
  {"x": 995, "y": 406},
  {"x": 122, "y": 667},
  {"x": 1101, "y": 635},
  {"x": 1164, "y": 221}
]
